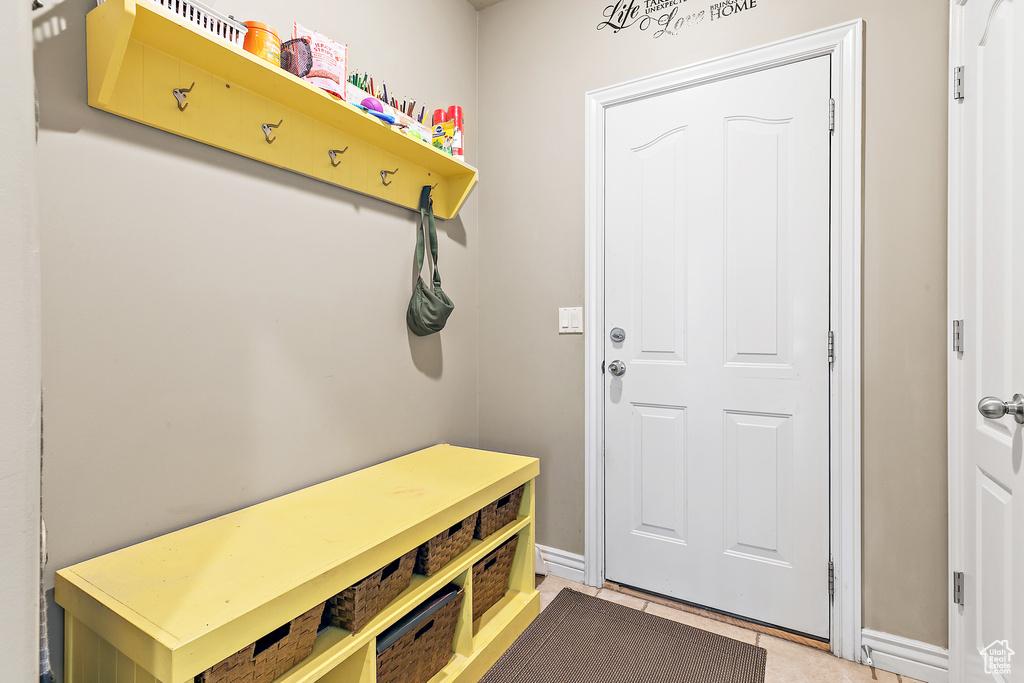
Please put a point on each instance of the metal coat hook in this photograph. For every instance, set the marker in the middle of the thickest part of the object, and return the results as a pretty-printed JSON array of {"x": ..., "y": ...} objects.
[
  {"x": 384, "y": 176},
  {"x": 268, "y": 126},
  {"x": 180, "y": 94},
  {"x": 334, "y": 153}
]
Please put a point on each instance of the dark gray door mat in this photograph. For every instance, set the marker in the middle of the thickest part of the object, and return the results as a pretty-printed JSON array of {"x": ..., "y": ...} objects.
[{"x": 581, "y": 639}]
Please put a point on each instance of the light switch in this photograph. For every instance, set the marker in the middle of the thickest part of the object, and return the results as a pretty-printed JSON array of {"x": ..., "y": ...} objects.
[{"x": 570, "y": 320}]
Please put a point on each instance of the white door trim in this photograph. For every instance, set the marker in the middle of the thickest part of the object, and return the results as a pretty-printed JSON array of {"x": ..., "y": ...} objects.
[
  {"x": 20, "y": 365},
  {"x": 954, "y": 367},
  {"x": 844, "y": 44},
  {"x": 899, "y": 655}
]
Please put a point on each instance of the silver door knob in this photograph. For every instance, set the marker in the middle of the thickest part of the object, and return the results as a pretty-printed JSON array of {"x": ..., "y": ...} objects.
[
  {"x": 617, "y": 368},
  {"x": 993, "y": 408}
]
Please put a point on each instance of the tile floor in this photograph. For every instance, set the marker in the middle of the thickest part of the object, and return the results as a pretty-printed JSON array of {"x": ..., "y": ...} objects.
[{"x": 787, "y": 662}]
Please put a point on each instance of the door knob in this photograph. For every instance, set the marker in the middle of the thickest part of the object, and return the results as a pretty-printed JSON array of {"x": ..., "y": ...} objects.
[
  {"x": 993, "y": 408},
  {"x": 617, "y": 368}
]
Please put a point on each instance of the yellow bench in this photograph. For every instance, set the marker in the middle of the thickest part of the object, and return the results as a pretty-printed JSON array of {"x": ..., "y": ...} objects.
[{"x": 169, "y": 608}]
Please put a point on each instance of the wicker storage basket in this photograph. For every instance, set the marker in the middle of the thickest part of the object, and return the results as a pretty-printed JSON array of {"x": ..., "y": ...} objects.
[
  {"x": 499, "y": 513},
  {"x": 271, "y": 655},
  {"x": 424, "y": 645},
  {"x": 440, "y": 550},
  {"x": 491, "y": 575},
  {"x": 354, "y": 607}
]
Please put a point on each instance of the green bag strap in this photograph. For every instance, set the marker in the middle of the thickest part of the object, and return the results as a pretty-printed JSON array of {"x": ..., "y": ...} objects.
[{"x": 427, "y": 210}]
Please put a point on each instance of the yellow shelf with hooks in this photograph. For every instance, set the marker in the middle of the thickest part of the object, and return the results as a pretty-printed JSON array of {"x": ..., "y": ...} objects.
[{"x": 151, "y": 66}]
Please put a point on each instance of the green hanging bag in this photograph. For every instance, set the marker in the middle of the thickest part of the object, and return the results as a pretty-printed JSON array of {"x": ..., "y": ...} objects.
[{"x": 429, "y": 307}]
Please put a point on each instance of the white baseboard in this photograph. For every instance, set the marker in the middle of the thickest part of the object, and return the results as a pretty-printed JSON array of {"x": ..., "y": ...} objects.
[
  {"x": 555, "y": 562},
  {"x": 929, "y": 663}
]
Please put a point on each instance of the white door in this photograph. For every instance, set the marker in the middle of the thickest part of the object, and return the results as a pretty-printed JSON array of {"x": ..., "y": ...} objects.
[
  {"x": 717, "y": 272},
  {"x": 988, "y": 483}
]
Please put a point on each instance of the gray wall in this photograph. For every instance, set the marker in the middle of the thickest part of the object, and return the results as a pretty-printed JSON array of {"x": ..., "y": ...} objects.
[
  {"x": 216, "y": 331},
  {"x": 19, "y": 357},
  {"x": 537, "y": 59}
]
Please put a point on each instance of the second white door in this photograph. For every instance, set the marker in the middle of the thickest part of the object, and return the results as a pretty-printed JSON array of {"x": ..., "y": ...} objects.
[{"x": 717, "y": 398}]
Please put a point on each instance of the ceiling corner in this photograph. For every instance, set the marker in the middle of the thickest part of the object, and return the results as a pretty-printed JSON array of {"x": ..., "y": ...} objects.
[{"x": 481, "y": 4}]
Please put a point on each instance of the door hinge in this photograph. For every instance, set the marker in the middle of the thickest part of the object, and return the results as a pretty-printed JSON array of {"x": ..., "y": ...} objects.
[
  {"x": 832, "y": 115},
  {"x": 958, "y": 336},
  {"x": 958, "y": 588},
  {"x": 958, "y": 84},
  {"x": 831, "y": 349},
  {"x": 831, "y": 580}
]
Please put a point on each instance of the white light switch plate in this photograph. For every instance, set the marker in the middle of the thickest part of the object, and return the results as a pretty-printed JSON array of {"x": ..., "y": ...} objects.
[{"x": 570, "y": 320}]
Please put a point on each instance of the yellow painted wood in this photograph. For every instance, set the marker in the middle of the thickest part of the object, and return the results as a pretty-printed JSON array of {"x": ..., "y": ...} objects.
[
  {"x": 178, "y": 604},
  {"x": 359, "y": 668},
  {"x": 88, "y": 658},
  {"x": 128, "y": 89},
  {"x": 139, "y": 53},
  {"x": 300, "y": 151},
  {"x": 160, "y": 76},
  {"x": 199, "y": 108},
  {"x": 463, "y": 643},
  {"x": 523, "y": 576},
  {"x": 111, "y": 27},
  {"x": 125, "y": 668},
  {"x": 501, "y": 632},
  {"x": 107, "y": 661}
]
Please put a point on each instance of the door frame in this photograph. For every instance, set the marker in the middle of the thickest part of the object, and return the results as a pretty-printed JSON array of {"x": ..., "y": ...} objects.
[
  {"x": 844, "y": 43},
  {"x": 954, "y": 368}
]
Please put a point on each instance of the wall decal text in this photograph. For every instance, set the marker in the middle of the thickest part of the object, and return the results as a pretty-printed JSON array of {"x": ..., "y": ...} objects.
[{"x": 667, "y": 17}]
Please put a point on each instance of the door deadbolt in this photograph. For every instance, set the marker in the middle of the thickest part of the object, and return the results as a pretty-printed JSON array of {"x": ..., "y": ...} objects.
[{"x": 618, "y": 335}]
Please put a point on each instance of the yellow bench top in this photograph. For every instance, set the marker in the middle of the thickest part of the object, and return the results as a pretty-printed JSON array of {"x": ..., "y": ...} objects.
[{"x": 283, "y": 556}]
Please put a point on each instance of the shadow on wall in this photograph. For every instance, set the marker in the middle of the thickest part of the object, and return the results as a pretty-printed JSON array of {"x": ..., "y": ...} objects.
[{"x": 427, "y": 352}]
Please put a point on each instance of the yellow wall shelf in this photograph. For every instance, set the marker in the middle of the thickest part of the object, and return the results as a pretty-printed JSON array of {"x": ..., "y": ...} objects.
[
  {"x": 169, "y": 608},
  {"x": 139, "y": 53}
]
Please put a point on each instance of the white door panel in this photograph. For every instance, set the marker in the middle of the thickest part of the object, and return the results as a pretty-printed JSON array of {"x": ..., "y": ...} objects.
[
  {"x": 992, "y": 307},
  {"x": 717, "y": 267}
]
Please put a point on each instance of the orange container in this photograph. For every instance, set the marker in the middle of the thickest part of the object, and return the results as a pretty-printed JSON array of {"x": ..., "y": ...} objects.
[{"x": 263, "y": 41}]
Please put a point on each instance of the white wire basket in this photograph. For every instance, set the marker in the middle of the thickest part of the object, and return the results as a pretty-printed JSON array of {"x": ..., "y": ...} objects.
[{"x": 211, "y": 21}]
